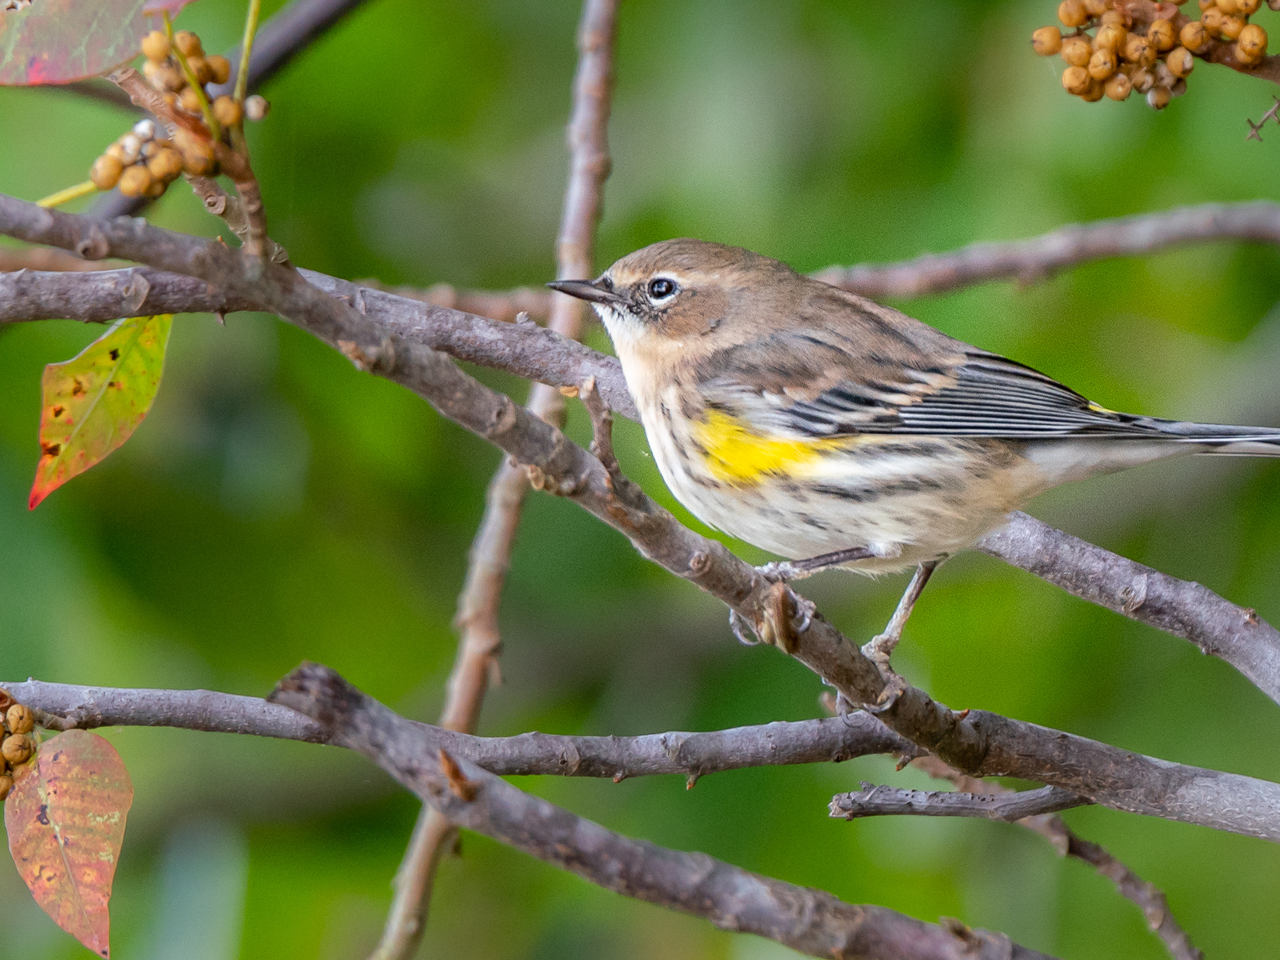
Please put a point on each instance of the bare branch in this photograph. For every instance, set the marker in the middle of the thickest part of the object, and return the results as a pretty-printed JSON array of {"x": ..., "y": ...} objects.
[
  {"x": 1188, "y": 610},
  {"x": 805, "y": 920},
  {"x": 878, "y": 801},
  {"x": 504, "y": 305},
  {"x": 62, "y": 706},
  {"x": 1037, "y": 258},
  {"x": 976, "y": 742},
  {"x": 1146, "y": 896},
  {"x": 477, "y": 618},
  {"x": 524, "y": 349}
]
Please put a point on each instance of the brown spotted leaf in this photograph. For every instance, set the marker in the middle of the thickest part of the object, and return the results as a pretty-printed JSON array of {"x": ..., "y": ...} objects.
[
  {"x": 57, "y": 41},
  {"x": 93, "y": 402},
  {"x": 65, "y": 818}
]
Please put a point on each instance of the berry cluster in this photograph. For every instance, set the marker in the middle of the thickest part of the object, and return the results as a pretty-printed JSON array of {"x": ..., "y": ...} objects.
[
  {"x": 143, "y": 162},
  {"x": 1123, "y": 55},
  {"x": 18, "y": 743}
]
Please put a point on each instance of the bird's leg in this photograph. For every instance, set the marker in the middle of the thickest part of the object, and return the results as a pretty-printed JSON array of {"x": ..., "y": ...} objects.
[
  {"x": 880, "y": 648},
  {"x": 799, "y": 569}
]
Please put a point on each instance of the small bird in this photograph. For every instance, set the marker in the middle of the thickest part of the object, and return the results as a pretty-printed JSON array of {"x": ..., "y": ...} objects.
[{"x": 831, "y": 430}]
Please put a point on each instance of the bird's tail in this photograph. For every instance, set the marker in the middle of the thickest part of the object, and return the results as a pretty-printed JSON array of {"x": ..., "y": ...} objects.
[{"x": 1217, "y": 439}]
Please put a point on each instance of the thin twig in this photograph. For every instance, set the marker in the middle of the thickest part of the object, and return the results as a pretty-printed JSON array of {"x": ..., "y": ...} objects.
[
  {"x": 64, "y": 706},
  {"x": 806, "y": 920},
  {"x": 1038, "y": 258},
  {"x": 1146, "y": 896},
  {"x": 477, "y": 620},
  {"x": 878, "y": 801},
  {"x": 504, "y": 305}
]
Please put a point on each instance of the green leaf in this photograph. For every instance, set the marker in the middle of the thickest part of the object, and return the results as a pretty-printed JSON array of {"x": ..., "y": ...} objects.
[
  {"x": 65, "y": 818},
  {"x": 58, "y": 41},
  {"x": 94, "y": 402}
]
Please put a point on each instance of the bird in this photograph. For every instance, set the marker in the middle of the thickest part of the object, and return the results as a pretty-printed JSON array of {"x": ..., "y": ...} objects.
[{"x": 831, "y": 430}]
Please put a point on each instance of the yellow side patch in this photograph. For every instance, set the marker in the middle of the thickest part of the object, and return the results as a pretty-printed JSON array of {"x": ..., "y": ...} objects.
[{"x": 739, "y": 456}]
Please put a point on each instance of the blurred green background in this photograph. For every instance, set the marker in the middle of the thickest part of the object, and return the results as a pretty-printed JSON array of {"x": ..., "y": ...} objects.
[{"x": 278, "y": 505}]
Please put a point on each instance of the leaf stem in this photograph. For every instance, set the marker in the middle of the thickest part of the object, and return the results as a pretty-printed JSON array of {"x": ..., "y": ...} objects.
[
  {"x": 246, "y": 50},
  {"x": 215, "y": 130},
  {"x": 69, "y": 194}
]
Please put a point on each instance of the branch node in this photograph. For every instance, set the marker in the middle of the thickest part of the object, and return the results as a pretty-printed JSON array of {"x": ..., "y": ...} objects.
[
  {"x": 462, "y": 788},
  {"x": 380, "y": 360}
]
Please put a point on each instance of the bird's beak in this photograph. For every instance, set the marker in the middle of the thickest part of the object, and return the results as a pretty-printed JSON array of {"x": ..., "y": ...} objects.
[{"x": 592, "y": 291}]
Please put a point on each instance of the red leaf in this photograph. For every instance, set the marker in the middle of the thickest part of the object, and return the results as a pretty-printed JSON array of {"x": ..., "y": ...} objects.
[
  {"x": 57, "y": 41},
  {"x": 93, "y": 402},
  {"x": 65, "y": 820}
]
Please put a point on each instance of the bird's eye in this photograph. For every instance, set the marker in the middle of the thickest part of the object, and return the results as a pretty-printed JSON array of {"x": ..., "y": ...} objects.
[{"x": 660, "y": 288}]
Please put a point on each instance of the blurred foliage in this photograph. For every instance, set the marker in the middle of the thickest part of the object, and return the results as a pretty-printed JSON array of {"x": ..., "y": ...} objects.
[{"x": 278, "y": 505}]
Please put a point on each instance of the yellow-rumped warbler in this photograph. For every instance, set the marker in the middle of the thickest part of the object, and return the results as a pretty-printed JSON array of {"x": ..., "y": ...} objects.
[{"x": 817, "y": 424}]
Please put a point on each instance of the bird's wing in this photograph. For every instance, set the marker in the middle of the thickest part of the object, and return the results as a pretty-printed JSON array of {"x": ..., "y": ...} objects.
[{"x": 808, "y": 384}]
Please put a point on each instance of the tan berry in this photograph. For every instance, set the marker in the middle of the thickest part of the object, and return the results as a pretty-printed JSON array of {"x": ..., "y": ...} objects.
[
  {"x": 17, "y": 748},
  {"x": 1046, "y": 41},
  {"x": 166, "y": 165},
  {"x": 200, "y": 67},
  {"x": 1179, "y": 88},
  {"x": 1110, "y": 38},
  {"x": 1247, "y": 8},
  {"x": 106, "y": 171},
  {"x": 6, "y": 784},
  {"x": 256, "y": 107},
  {"x": 1180, "y": 61},
  {"x": 157, "y": 189},
  {"x": 135, "y": 181},
  {"x": 1075, "y": 50},
  {"x": 1072, "y": 13},
  {"x": 1194, "y": 37},
  {"x": 1232, "y": 27},
  {"x": 1142, "y": 80},
  {"x": 1095, "y": 8},
  {"x": 227, "y": 112},
  {"x": 1206, "y": 4},
  {"x": 1212, "y": 21},
  {"x": 1075, "y": 80},
  {"x": 1116, "y": 18},
  {"x": 1102, "y": 64},
  {"x": 1252, "y": 41},
  {"x": 1119, "y": 87},
  {"x": 188, "y": 43},
  {"x": 155, "y": 46},
  {"x": 221, "y": 68},
  {"x": 20, "y": 719},
  {"x": 198, "y": 158},
  {"x": 1162, "y": 35},
  {"x": 1158, "y": 97},
  {"x": 164, "y": 76},
  {"x": 190, "y": 100},
  {"x": 1139, "y": 50},
  {"x": 1094, "y": 93}
]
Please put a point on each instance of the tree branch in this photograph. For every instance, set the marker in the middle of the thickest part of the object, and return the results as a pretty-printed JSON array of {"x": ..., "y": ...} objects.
[
  {"x": 1188, "y": 610},
  {"x": 879, "y": 801},
  {"x": 63, "y": 706},
  {"x": 490, "y": 558},
  {"x": 977, "y": 742},
  {"x": 1036, "y": 259},
  {"x": 1146, "y": 896},
  {"x": 806, "y": 920}
]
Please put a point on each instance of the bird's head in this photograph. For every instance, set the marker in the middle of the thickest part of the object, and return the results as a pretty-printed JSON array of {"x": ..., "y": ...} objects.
[{"x": 686, "y": 294}]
